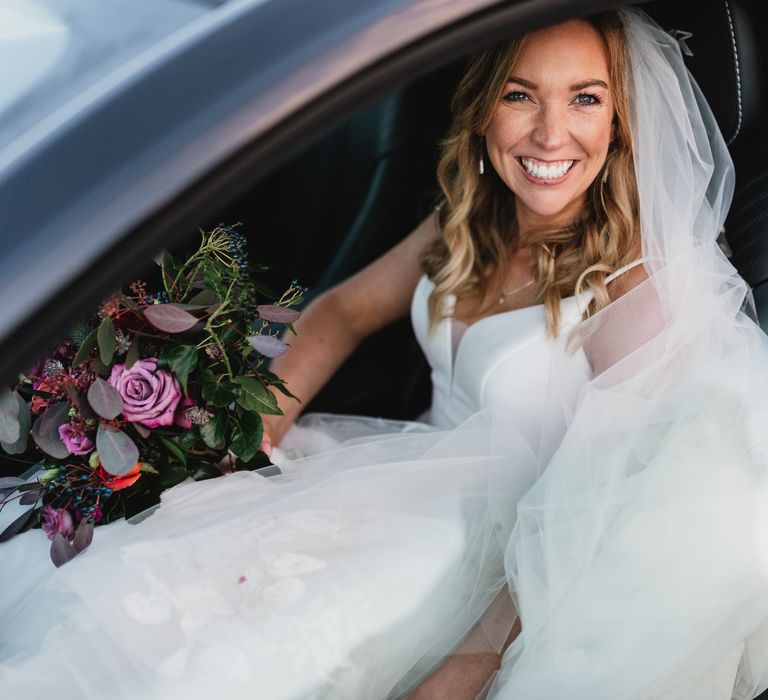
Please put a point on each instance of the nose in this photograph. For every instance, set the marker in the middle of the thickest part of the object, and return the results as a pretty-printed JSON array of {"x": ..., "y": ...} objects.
[{"x": 551, "y": 130}]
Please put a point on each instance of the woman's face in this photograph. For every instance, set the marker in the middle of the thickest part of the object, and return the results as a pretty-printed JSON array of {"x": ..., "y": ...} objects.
[{"x": 550, "y": 133}]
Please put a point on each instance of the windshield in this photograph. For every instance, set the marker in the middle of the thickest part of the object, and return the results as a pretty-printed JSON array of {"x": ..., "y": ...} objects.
[{"x": 53, "y": 50}]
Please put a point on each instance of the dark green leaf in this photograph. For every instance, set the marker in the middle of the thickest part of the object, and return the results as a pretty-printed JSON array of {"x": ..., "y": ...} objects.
[
  {"x": 134, "y": 354},
  {"x": 213, "y": 282},
  {"x": 169, "y": 318},
  {"x": 214, "y": 431},
  {"x": 246, "y": 436},
  {"x": 107, "y": 342},
  {"x": 118, "y": 454},
  {"x": 25, "y": 419},
  {"x": 181, "y": 360},
  {"x": 45, "y": 431},
  {"x": 280, "y": 386},
  {"x": 254, "y": 396},
  {"x": 10, "y": 427},
  {"x": 205, "y": 298},
  {"x": 174, "y": 449},
  {"x": 16, "y": 526},
  {"x": 61, "y": 550},
  {"x": 105, "y": 399},
  {"x": 219, "y": 392},
  {"x": 206, "y": 470},
  {"x": 170, "y": 476},
  {"x": 188, "y": 439},
  {"x": 88, "y": 346}
]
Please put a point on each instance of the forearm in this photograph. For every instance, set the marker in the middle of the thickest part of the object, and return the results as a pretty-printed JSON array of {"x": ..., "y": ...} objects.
[{"x": 324, "y": 338}]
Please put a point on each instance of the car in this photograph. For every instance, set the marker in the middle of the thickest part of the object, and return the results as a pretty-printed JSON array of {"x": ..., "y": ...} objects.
[{"x": 125, "y": 126}]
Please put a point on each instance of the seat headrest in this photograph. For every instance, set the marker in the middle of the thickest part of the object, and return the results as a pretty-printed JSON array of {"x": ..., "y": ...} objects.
[{"x": 720, "y": 40}]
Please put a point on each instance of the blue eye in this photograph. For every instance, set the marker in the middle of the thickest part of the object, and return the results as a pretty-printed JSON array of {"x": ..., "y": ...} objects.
[
  {"x": 516, "y": 96},
  {"x": 587, "y": 98}
]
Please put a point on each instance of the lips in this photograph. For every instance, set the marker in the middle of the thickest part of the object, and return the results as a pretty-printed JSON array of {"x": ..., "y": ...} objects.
[{"x": 545, "y": 172}]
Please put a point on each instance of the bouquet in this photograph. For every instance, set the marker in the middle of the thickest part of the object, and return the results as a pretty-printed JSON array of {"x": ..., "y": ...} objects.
[{"x": 157, "y": 389}]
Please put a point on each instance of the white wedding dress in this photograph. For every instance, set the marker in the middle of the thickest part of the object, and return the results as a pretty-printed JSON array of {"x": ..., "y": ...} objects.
[
  {"x": 611, "y": 485},
  {"x": 290, "y": 587}
]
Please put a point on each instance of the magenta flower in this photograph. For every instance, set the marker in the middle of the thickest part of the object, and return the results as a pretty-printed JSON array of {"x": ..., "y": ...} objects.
[
  {"x": 150, "y": 395},
  {"x": 182, "y": 417},
  {"x": 74, "y": 438},
  {"x": 57, "y": 521}
]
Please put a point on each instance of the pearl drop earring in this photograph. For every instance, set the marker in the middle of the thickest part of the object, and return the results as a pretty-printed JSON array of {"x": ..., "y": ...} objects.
[{"x": 482, "y": 165}]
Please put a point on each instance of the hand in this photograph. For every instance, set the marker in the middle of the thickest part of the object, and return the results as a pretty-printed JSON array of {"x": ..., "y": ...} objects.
[{"x": 267, "y": 443}]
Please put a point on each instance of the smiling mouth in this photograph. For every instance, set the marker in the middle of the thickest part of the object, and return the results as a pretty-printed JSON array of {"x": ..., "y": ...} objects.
[{"x": 545, "y": 172}]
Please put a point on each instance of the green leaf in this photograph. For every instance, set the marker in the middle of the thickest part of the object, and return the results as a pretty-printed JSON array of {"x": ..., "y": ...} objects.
[
  {"x": 45, "y": 430},
  {"x": 10, "y": 425},
  {"x": 25, "y": 419},
  {"x": 174, "y": 449},
  {"x": 206, "y": 470},
  {"x": 133, "y": 355},
  {"x": 148, "y": 468},
  {"x": 88, "y": 346},
  {"x": 188, "y": 439},
  {"x": 106, "y": 339},
  {"x": 246, "y": 436},
  {"x": 213, "y": 282},
  {"x": 216, "y": 392},
  {"x": 181, "y": 360},
  {"x": 214, "y": 431},
  {"x": 205, "y": 298},
  {"x": 170, "y": 476},
  {"x": 254, "y": 396},
  {"x": 105, "y": 399},
  {"x": 117, "y": 452}
]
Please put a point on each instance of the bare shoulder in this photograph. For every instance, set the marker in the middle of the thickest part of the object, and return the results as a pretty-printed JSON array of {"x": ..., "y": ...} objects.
[{"x": 627, "y": 281}]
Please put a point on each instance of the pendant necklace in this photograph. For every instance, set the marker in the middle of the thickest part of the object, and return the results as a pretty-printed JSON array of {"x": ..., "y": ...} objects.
[{"x": 505, "y": 293}]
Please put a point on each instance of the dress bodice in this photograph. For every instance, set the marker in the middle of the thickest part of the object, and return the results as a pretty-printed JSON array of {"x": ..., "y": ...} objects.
[{"x": 505, "y": 360}]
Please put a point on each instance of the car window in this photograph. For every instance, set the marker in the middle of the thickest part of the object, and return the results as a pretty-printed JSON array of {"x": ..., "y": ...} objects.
[{"x": 53, "y": 50}]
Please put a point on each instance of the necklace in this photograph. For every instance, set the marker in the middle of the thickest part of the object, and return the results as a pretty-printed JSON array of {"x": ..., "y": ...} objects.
[{"x": 504, "y": 293}]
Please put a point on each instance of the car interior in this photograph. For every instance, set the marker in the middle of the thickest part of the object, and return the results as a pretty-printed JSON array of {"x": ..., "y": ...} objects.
[{"x": 335, "y": 206}]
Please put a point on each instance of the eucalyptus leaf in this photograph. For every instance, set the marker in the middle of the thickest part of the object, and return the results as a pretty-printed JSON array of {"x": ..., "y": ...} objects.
[
  {"x": 254, "y": 396},
  {"x": 107, "y": 341},
  {"x": 25, "y": 420},
  {"x": 83, "y": 536},
  {"x": 105, "y": 399},
  {"x": 88, "y": 346},
  {"x": 45, "y": 431},
  {"x": 61, "y": 550},
  {"x": 118, "y": 454},
  {"x": 30, "y": 498},
  {"x": 10, "y": 482},
  {"x": 181, "y": 360},
  {"x": 10, "y": 428},
  {"x": 214, "y": 431},
  {"x": 246, "y": 436},
  {"x": 169, "y": 318},
  {"x": 278, "y": 314},
  {"x": 267, "y": 345},
  {"x": 133, "y": 355},
  {"x": 17, "y": 525}
]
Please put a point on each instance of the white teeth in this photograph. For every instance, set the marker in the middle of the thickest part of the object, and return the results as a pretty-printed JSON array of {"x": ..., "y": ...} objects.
[{"x": 552, "y": 171}]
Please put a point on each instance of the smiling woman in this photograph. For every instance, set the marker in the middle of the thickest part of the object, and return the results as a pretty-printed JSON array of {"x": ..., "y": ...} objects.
[{"x": 551, "y": 517}]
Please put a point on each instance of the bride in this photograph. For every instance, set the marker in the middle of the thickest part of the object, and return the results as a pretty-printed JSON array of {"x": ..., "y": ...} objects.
[{"x": 582, "y": 512}]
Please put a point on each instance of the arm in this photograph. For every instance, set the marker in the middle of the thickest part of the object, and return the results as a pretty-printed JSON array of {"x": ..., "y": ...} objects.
[{"x": 333, "y": 325}]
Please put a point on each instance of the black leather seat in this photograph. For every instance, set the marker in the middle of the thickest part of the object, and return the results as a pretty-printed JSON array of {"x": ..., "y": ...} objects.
[{"x": 725, "y": 52}]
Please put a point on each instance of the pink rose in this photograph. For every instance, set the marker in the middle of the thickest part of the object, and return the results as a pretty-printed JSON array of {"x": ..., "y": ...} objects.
[
  {"x": 75, "y": 440},
  {"x": 150, "y": 395},
  {"x": 57, "y": 521}
]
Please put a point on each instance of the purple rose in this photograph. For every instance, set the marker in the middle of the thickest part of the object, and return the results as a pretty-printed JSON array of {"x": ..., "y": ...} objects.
[
  {"x": 57, "y": 521},
  {"x": 150, "y": 395},
  {"x": 74, "y": 438}
]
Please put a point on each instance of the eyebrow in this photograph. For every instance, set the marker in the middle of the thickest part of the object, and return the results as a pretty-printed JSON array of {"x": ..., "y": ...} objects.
[{"x": 594, "y": 82}]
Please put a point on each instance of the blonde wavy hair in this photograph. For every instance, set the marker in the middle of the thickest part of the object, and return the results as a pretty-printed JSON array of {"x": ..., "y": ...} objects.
[{"x": 477, "y": 217}]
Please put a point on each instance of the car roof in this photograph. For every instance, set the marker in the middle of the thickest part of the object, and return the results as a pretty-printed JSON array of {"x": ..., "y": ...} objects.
[{"x": 123, "y": 162}]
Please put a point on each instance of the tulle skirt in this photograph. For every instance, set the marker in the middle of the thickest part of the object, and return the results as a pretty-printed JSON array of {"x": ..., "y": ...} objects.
[{"x": 637, "y": 560}]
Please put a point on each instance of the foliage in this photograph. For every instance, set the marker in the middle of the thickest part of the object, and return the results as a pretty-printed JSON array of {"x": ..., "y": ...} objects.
[{"x": 157, "y": 389}]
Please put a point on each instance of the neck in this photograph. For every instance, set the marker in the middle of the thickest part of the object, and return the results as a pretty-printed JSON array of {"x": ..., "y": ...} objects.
[{"x": 529, "y": 221}]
